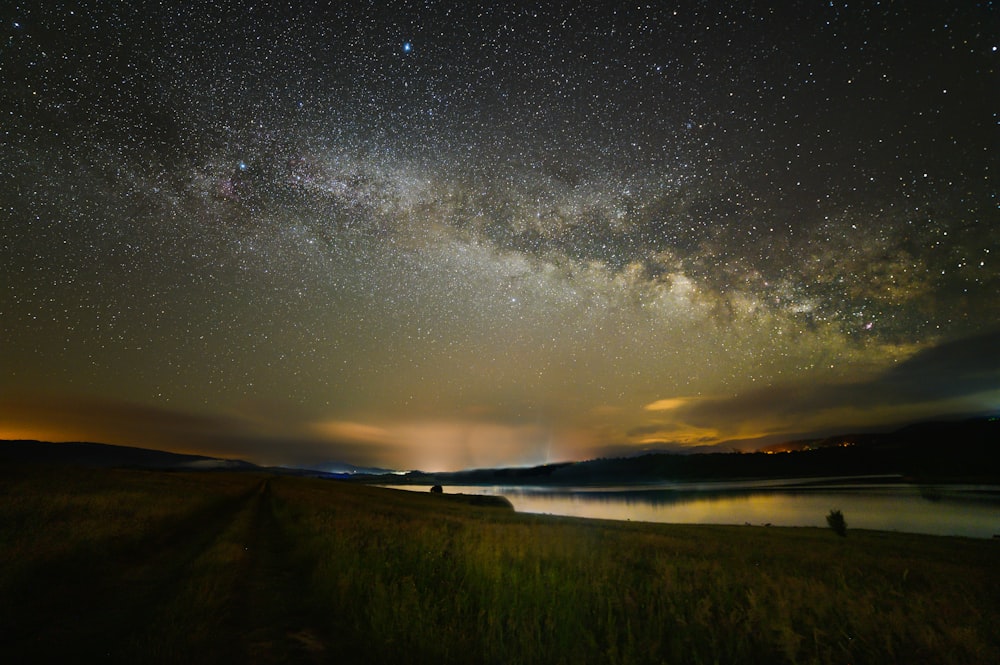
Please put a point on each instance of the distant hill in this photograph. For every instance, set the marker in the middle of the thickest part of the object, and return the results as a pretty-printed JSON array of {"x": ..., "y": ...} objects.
[
  {"x": 345, "y": 469},
  {"x": 105, "y": 455},
  {"x": 934, "y": 451}
]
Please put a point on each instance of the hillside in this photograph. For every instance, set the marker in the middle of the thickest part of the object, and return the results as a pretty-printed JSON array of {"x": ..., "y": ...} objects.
[
  {"x": 938, "y": 451},
  {"x": 102, "y": 455}
]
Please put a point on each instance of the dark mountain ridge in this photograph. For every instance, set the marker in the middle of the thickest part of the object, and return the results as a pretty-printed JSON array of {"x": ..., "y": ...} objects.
[
  {"x": 103, "y": 455},
  {"x": 965, "y": 451}
]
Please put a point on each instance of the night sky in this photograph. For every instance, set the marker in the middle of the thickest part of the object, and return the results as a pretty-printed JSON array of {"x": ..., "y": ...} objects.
[{"x": 448, "y": 235}]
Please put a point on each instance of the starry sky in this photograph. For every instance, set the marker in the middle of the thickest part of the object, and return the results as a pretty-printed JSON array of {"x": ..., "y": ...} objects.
[{"x": 449, "y": 235}]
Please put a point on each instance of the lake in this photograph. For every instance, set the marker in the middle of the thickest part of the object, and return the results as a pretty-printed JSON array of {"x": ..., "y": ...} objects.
[{"x": 868, "y": 502}]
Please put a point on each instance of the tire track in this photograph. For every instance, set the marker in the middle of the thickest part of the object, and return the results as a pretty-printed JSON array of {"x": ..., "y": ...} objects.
[
  {"x": 268, "y": 616},
  {"x": 101, "y": 610}
]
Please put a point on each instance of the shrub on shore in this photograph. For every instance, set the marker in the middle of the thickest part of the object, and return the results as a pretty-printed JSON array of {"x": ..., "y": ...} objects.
[{"x": 835, "y": 520}]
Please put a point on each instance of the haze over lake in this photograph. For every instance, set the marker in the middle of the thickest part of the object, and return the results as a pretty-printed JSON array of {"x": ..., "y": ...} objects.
[{"x": 867, "y": 503}]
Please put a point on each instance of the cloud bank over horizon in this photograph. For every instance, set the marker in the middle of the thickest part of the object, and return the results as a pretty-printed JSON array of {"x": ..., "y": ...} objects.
[{"x": 955, "y": 379}]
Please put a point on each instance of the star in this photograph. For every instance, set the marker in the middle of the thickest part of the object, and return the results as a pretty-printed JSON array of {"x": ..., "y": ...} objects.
[{"x": 295, "y": 230}]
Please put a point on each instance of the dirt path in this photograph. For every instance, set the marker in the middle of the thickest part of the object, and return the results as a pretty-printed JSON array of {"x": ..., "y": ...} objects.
[
  {"x": 219, "y": 587},
  {"x": 267, "y": 621}
]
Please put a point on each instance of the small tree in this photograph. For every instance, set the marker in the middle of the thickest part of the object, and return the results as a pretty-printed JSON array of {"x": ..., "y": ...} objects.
[
  {"x": 837, "y": 522},
  {"x": 437, "y": 489}
]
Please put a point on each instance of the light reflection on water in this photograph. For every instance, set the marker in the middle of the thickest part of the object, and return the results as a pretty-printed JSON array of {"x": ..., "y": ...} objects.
[{"x": 868, "y": 503}]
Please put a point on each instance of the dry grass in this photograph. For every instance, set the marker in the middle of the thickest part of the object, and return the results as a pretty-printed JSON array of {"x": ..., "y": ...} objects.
[
  {"x": 415, "y": 582},
  {"x": 289, "y": 569}
]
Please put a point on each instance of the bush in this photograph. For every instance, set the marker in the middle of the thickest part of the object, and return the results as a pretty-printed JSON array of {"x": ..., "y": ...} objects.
[{"x": 837, "y": 522}]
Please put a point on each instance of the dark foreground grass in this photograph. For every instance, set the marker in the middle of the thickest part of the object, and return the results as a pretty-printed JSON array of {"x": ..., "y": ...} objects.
[{"x": 143, "y": 567}]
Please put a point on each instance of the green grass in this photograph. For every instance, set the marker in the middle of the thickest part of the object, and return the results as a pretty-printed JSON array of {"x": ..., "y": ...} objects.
[{"x": 241, "y": 567}]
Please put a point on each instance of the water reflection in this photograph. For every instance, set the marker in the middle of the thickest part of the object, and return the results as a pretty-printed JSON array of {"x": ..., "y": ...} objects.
[{"x": 867, "y": 503}]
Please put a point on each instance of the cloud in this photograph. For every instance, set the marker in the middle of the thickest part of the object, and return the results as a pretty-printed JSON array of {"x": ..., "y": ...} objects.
[
  {"x": 673, "y": 432},
  {"x": 449, "y": 444},
  {"x": 954, "y": 377},
  {"x": 352, "y": 431},
  {"x": 107, "y": 421},
  {"x": 669, "y": 404},
  {"x": 953, "y": 369},
  {"x": 275, "y": 434}
]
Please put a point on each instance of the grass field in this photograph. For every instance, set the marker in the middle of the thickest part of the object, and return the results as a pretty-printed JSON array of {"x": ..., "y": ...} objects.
[{"x": 133, "y": 566}]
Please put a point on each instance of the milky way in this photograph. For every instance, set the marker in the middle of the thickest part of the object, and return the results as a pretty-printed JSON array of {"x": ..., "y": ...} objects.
[{"x": 424, "y": 235}]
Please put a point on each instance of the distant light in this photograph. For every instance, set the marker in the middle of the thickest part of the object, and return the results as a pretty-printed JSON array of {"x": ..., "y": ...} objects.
[
  {"x": 407, "y": 47},
  {"x": 243, "y": 166}
]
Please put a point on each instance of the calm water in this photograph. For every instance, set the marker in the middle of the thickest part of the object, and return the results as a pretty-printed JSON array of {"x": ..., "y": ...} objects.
[{"x": 867, "y": 503}]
